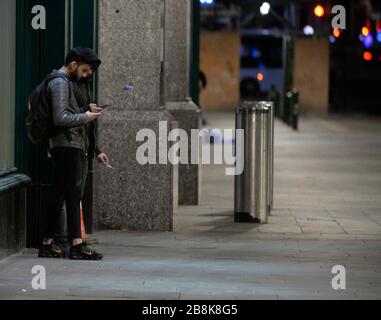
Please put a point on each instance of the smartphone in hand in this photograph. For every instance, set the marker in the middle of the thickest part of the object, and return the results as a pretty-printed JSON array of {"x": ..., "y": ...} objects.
[{"x": 104, "y": 107}]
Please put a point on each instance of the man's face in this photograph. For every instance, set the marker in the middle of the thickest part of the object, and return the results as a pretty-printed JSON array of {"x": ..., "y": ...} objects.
[{"x": 78, "y": 72}]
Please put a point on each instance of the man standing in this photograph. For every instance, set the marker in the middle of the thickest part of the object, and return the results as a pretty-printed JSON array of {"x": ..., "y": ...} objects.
[
  {"x": 83, "y": 95},
  {"x": 67, "y": 150}
]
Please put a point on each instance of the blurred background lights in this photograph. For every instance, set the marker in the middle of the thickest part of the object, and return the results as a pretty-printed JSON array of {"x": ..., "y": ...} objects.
[
  {"x": 260, "y": 76},
  {"x": 379, "y": 36},
  {"x": 207, "y": 2},
  {"x": 367, "y": 56},
  {"x": 308, "y": 30},
  {"x": 265, "y": 8},
  {"x": 255, "y": 54},
  {"x": 319, "y": 11},
  {"x": 365, "y": 31},
  {"x": 332, "y": 39},
  {"x": 336, "y": 32},
  {"x": 378, "y": 26},
  {"x": 368, "y": 41}
]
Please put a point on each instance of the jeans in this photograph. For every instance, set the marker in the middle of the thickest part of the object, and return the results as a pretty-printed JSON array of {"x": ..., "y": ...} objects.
[
  {"x": 61, "y": 230},
  {"x": 67, "y": 166}
]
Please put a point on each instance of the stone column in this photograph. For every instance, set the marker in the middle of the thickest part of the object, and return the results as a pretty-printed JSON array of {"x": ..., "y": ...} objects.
[
  {"x": 178, "y": 102},
  {"x": 132, "y": 196}
]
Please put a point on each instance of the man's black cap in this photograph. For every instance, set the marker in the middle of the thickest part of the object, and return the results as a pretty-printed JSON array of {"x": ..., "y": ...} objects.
[{"x": 83, "y": 55}]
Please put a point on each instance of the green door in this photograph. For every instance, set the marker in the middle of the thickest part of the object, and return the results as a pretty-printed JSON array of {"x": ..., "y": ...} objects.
[{"x": 38, "y": 53}]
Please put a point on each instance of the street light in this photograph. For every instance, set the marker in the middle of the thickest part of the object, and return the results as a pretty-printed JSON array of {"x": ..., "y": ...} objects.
[{"x": 265, "y": 8}]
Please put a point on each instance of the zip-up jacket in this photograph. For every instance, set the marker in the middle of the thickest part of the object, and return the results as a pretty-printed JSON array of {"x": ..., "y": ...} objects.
[
  {"x": 83, "y": 95},
  {"x": 66, "y": 113}
]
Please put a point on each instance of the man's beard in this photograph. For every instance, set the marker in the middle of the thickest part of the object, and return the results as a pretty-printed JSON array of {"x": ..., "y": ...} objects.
[
  {"x": 85, "y": 79},
  {"x": 73, "y": 76}
]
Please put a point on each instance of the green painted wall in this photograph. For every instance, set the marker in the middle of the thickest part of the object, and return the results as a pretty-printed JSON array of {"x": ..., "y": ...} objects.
[
  {"x": 195, "y": 52},
  {"x": 38, "y": 53}
]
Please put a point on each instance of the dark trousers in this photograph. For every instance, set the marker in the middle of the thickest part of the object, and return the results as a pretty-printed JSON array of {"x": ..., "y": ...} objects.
[
  {"x": 67, "y": 173},
  {"x": 61, "y": 231}
]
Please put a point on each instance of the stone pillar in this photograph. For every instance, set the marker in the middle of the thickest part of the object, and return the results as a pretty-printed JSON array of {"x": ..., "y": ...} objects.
[
  {"x": 185, "y": 111},
  {"x": 131, "y": 45}
]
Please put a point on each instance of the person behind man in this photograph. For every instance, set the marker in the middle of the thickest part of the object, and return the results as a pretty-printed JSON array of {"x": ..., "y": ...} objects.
[
  {"x": 83, "y": 95},
  {"x": 66, "y": 150}
]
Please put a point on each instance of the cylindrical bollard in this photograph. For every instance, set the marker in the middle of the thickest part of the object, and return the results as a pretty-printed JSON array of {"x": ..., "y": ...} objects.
[
  {"x": 287, "y": 108},
  {"x": 274, "y": 96},
  {"x": 251, "y": 186},
  {"x": 242, "y": 181},
  {"x": 295, "y": 110},
  {"x": 262, "y": 166},
  {"x": 270, "y": 136}
]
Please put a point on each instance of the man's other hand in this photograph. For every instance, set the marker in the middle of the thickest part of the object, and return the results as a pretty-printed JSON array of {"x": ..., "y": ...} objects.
[
  {"x": 91, "y": 116},
  {"x": 94, "y": 108},
  {"x": 102, "y": 158}
]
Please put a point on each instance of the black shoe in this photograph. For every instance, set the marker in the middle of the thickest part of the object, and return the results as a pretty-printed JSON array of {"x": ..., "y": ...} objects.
[
  {"x": 82, "y": 252},
  {"x": 52, "y": 250},
  {"x": 65, "y": 247}
]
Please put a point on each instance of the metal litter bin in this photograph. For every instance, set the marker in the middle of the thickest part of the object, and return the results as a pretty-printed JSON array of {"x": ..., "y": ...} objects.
[
  {"x": 251, "y": 186},
  {"x": 270, "y": 158}
]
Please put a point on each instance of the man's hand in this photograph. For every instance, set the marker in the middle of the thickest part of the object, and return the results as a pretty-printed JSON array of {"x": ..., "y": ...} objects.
[
  {"x": 91, "y": 116},
  {"x": 94, "y": 108},
  {"x": 102, "y": 158}
]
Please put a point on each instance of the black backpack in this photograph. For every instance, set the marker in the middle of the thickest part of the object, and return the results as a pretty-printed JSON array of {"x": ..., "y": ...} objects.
[{"x": 39, "y": 122}]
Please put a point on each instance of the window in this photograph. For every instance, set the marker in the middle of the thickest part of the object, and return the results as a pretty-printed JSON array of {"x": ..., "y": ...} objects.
[
  {"x": 7, "y": 82},
  {"x": 261, "y": 52}
]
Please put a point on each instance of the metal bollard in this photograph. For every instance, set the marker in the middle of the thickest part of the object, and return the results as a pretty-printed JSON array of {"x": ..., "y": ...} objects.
[
  {"x": 251, "y": 187},
  {"x": 295, "y": 109},
  {"x": 275, "y": 97},
  {"x": 241, "y": 198},
  {"x": 287, "y": 108},
  {"x": 270, "y": 136}
]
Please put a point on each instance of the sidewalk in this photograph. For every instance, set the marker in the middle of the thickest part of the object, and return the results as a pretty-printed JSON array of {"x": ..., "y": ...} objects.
[
  {"x": 327, "y": 183},
  {"x": 327, "y": 212}
]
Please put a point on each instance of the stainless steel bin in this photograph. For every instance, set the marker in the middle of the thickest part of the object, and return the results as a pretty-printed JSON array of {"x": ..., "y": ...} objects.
[
  {"x": 270, "y": 134},
  {"x": 251, "y": 186}
]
